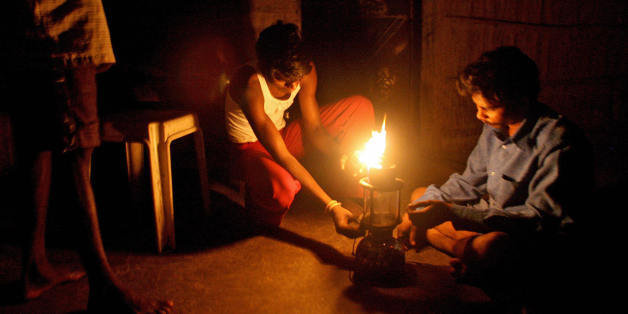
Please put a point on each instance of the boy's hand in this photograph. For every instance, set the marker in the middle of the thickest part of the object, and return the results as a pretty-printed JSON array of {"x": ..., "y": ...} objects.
[
  {"x": 428, "y": 214},
  {"x": 420, "y": 217},
  {"x": 407, "y": 231}
]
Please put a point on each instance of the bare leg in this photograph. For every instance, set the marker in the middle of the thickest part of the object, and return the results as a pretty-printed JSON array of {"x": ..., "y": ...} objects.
[
  {"x": 484, "y": 260},
  {"x": 106, "y": 293},
  {"x": 38, "y": 275},
  {"x": 474, "y": 253},
  {"x": 466, "y": 246},
  {"x": 449, "y": 240},
  {"x": 444, "y": 237}
]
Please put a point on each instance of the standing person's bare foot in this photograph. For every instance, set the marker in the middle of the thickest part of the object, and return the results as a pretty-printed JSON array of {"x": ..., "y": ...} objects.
[
  {"x": 38, "y": 279},
  {"x": 114, "y": 299}
]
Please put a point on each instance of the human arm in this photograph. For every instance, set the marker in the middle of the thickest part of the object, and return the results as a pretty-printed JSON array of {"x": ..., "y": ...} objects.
[
  {"x": 555, "y": 189},
  {"x": 469, "y": 186},
  {"x": 554, "y": 182},
  {"x": 246, "y": 91}
]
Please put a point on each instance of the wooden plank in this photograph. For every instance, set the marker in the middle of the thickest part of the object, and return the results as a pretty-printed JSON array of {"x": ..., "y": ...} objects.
[
  {"x": 589, "y": 104},
  {"x": 264, "y": 13},
  {"x": 540, "y": 12},
  {"x": 561, "y": 12},
  {"x": 579, "y": 47},
  {"x": 609, "y": 13},
  {"x": 528, "y": 11}
]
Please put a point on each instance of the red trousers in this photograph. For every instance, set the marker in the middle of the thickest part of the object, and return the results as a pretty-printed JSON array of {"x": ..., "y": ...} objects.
[{"x": 270, "y": 189}]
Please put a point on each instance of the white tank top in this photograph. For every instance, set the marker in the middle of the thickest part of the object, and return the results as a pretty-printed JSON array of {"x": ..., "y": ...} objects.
[{"x": 238, "y": 128}]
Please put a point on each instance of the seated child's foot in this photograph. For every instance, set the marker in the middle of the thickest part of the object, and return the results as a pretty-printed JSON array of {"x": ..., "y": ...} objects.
[
  {"x": 458, "y": 269},
  {"x": 467, "y": 273},
  {"x": 113, "y": 299}
]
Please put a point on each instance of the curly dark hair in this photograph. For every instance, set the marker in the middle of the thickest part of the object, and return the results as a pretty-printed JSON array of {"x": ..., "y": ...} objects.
[
  {"x": 505, "y": 75},
  {"x": 280, "y": 48}
]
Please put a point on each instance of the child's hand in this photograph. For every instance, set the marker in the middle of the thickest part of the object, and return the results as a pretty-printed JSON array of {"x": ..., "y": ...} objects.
[
  {"x": 345, "y": 223},
  {"x": 428, "y": 214},
  {"x": 407, "y": 231}
]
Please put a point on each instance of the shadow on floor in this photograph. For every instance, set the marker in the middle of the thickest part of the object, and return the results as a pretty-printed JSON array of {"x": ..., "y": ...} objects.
[
  {"x": 10, "y": 292},
  {"x": 223, "y": 264},
  {"x": 229, "y": 224}
]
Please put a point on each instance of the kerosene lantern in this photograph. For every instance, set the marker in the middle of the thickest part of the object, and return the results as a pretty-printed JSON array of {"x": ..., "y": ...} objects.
[{"x": 379, "y": 257}]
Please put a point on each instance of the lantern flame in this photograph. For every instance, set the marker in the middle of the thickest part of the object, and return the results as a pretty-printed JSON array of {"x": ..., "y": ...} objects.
[{"x": 372, "y": 154}]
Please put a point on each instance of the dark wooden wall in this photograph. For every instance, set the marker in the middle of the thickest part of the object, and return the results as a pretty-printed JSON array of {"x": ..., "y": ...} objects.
[
  {"x": 579, "y": 46},
  {"x": 182, "y": 52}
]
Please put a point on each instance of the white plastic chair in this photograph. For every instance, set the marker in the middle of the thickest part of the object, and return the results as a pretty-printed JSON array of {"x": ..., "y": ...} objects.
[{"x": 157, "y": 129}]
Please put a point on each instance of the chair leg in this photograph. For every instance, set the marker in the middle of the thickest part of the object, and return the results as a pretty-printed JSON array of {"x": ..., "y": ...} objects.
[
  {"x": 155, "y": 175},
  {"x": 135, "y": 168},
  {"x": 199, "y": 145},
  {"x": 165, "y": 170}
]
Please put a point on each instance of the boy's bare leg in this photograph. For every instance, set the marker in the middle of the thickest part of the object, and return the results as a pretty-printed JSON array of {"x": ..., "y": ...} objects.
[
  {"x": 444, "y": 236},
  {"x": 473, "y": 252},
  {"x": 449, "y": 240},
  {"x": 106, "y": 293},
  {"x": 465, "y": 246},
  {"x": 38, "y": 275}
]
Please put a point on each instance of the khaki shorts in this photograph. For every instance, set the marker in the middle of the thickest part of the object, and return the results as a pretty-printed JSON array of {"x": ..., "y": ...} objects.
[{"x": 54, "y": 111}]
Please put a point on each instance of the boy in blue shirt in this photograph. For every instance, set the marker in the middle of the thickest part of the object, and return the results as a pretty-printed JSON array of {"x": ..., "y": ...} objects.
[{"x": 521, "y": 192}]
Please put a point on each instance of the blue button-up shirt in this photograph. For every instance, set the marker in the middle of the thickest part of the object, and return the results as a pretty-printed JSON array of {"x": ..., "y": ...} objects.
[{"x": 534, "y": 181}]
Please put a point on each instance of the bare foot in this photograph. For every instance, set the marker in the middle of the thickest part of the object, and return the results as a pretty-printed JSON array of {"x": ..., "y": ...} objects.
[
  {"x": 467, "y": 273},
  {"x": 112, "y": 299},
  {"x": 38, "y": 281},
  {"x": 458, "y": 268}
]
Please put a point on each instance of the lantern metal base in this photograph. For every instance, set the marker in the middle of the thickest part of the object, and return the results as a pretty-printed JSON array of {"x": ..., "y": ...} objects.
[{"x": 379, "y": 259}]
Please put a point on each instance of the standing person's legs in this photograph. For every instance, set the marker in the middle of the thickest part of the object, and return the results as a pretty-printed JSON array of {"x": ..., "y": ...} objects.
[
  {"x": 33, "y": 126},
  {"x": 106, "y": 292},
  {"x": 270, "y": 189},
  {"x": 82, "y": 112},
  {"x": 38, "y": 275}
]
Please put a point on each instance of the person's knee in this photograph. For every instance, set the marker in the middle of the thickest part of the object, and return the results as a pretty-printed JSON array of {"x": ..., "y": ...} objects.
[
  {"x": 285, "y": 193},
  {"x": 360, "y": 100},
  {"x": 436, "y": 239},
  {"x": 357, "y": 106},
  {"x": 362, "y": 105},
  {"x": 269, "y": 206},
  {"x": 276, "y": 196}
]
